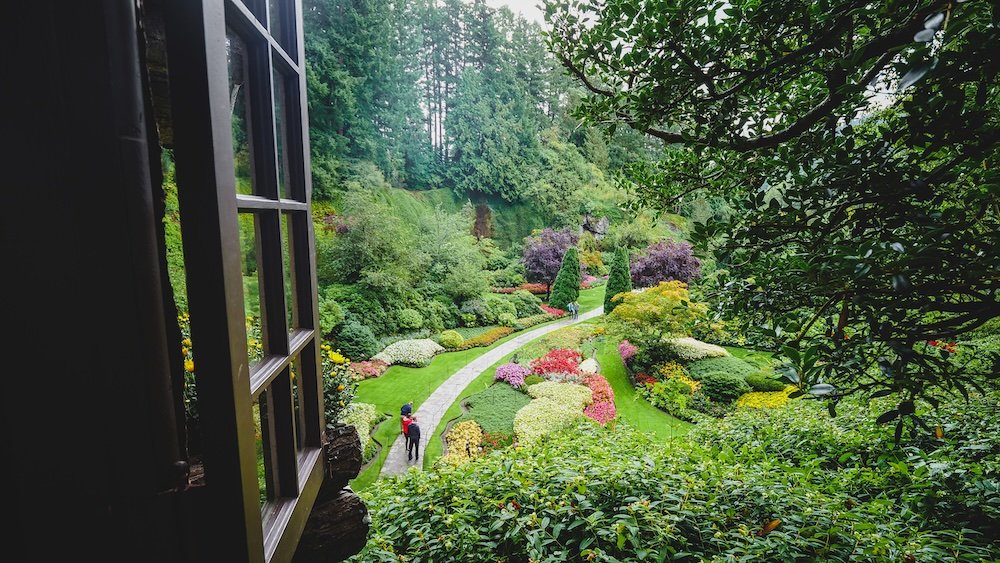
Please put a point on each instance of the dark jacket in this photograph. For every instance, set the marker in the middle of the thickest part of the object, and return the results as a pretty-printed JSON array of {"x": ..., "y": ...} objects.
[{"x": 414, "y": 432}]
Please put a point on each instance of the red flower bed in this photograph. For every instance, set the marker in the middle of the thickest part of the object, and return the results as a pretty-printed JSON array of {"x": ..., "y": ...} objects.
[
  {"x": 552, "y": 310},
  {"x": 600, "y": 388},
  {"x": 644, "y": 379},
  {"x": 560, "y": 360},
  {"x": 536, "y": 288}
]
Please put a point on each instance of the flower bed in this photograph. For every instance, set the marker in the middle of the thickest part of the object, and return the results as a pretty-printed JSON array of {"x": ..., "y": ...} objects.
[
  {"x": 464, "y": 440},
  {"x": 543, "y": 416},
  {"x": 486, "y": 338},
  {"x": 553, "y": 311},
  {"x": 416, "y": 353},
  {"x": 367, "y": 370},
  {"x": 527, "y": 322},
  {"x": 569, "y": 394},
  {"x": 560, "y": 360},
  {"x": 512, "y": 374},
  {"x": 536, "y": 288},
  {"x": 690, "y": 349},
  {"x": 765, "y": 399}
]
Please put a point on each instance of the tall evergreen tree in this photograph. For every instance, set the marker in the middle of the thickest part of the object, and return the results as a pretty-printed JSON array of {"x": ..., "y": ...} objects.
[
  {"x": 566, "y": 288},
  {"x": 619, "y": 279}
]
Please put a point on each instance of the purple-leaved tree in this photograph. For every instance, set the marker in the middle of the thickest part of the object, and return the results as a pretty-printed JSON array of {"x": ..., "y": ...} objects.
[
  {"x": 664, "y": 261},
  {"x": 543, "y": 254}
]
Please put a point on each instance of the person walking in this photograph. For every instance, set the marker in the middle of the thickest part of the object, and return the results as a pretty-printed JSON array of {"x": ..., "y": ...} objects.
[
  {"x": 406, "y": 421},
  {"x": 413, "y": 449}
]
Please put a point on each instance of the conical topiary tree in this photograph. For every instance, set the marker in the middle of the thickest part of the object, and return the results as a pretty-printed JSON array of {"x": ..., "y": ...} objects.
[
  {"x": 566, "y": 288},
  {"x": 619, "y": 279}
]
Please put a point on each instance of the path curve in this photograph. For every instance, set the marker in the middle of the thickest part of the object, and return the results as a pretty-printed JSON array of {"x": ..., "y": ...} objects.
[{"x": 431, "y": 411}]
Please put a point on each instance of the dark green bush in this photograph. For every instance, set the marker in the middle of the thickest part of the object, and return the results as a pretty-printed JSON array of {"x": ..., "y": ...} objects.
[
  {"x": 619, "y": 279},
  {"x": 409, "y": 319},
  {"x": 450, "y": 339},
  {"x": 723, "y": 387},
  {"x": 356, "y": 341},
  {"x": 728, "y": 364},
  {"x": 532, "y": 380},
  {"x": 761, "y": 381},
  {"x": 834, "y": 489},
  {"x": 525, "y": 303},
  {"x": 566, "y": 287}
]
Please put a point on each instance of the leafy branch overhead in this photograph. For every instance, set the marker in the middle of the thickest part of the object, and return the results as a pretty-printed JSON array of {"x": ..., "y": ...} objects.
[{"x": 856, "y": 144}]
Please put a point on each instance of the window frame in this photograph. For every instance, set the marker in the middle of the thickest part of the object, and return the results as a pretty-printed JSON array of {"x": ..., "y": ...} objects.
[{"x": 228, "y": 385}]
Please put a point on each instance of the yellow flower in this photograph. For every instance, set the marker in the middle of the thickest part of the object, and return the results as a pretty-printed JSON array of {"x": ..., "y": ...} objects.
[
  {"x": 184, "y": 351},
  {"x": 341, "y": 403},
  {"x": 336, "y": 358},
  {"x": 189, "y": 366},
  {"x": 340, "y": 387},
  {"x": 186, "y": 342}
]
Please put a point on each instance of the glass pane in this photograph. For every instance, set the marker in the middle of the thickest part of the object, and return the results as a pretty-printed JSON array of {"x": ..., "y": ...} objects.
[
  {"x": 249, "y": 257},
  {"x": 279, "y": 131},
  {"x": 236, "y": 57},
  {"x": 276, "y": 11},
  {"x": 297, "y": 403},
  {"x": 262, "y": 441},
  {"x": 291, "y": 304}
]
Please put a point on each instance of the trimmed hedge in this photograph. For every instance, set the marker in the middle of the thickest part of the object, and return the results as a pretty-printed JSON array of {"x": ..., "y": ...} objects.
[
  {"x": 723, "y": 387},
  {"x": 728, "y": 364}
]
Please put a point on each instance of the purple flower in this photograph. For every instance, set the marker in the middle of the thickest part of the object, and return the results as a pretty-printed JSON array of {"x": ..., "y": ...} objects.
[{"x": 512, "y": 373}]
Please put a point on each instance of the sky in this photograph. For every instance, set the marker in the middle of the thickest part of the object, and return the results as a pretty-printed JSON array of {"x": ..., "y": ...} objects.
[{"x": 527, "y": 8}]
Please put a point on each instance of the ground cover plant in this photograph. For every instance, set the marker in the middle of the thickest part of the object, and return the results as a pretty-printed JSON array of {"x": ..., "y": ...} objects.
[{"x": 792, "y": 485}]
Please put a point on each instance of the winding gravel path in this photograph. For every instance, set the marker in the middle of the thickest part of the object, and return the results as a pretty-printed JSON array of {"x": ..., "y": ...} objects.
[{"x": 430, "y": 412}]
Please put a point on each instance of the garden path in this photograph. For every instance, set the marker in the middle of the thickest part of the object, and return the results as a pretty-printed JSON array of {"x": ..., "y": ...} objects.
[{"x": 431, "y": 411}]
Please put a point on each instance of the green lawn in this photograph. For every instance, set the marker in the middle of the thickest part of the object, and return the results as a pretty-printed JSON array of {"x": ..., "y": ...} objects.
[
  {"x": 400, "y": 384},
  {"x": 632, "y": 408}
]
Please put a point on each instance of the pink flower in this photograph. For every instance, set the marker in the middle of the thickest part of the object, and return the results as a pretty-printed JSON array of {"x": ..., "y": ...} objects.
[
  {"x": 603, "y": 412},
  {"x": 626, "y": 350},
  {"x": 600, "y": 388},
  {"x": 512, "y": 373}
]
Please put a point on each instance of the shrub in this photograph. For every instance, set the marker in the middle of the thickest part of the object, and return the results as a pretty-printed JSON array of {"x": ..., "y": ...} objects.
[
  {"x": 468, "y": 319},
  {"x": 619, "y": 280},
  {"x": 762, "y": 382},
  {"x": 626, "y": 350},
  {"x": 570, "y": 394},
  {"x": 543, "y": 416},
  {"x": 671, "y": 395},
  {"x": 416, "y": 353},
  {"x": 409, "y": 319},
  {"x": 566, "y": 287},
  {"x": 665, "y": 261},
  {"x": 450, "y": 339},
  {"x": 496, "y": 441},
  {"x": 512, "y": 374},
  {"x": 363, "y": 417},
  {"x": 723, "y": 387},
  {"x": 689, "y": 349},
  {"x": 357, "y": 341},
  {"x": 338, "y": 383},
  {"x": 601, "y": 497},
  {"x": 525, "y": 303},
  {"x": 673, "y": 370},
  {"x": 463, "y": 440},
  {"x": 331, "y": 315},
  {"x": 527, "y": 322},
  {"x": 532, "y": 380},
  {"x": 727, "y": 364},
  {"x": 506, "y": 319}
]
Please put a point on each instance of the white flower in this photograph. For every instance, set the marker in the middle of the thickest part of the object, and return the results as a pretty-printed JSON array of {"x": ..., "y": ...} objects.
[
  {"x": 589, "y": 366},
  {"x": 689, "y": 349},
  {"x": 418, "y": 352}
]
